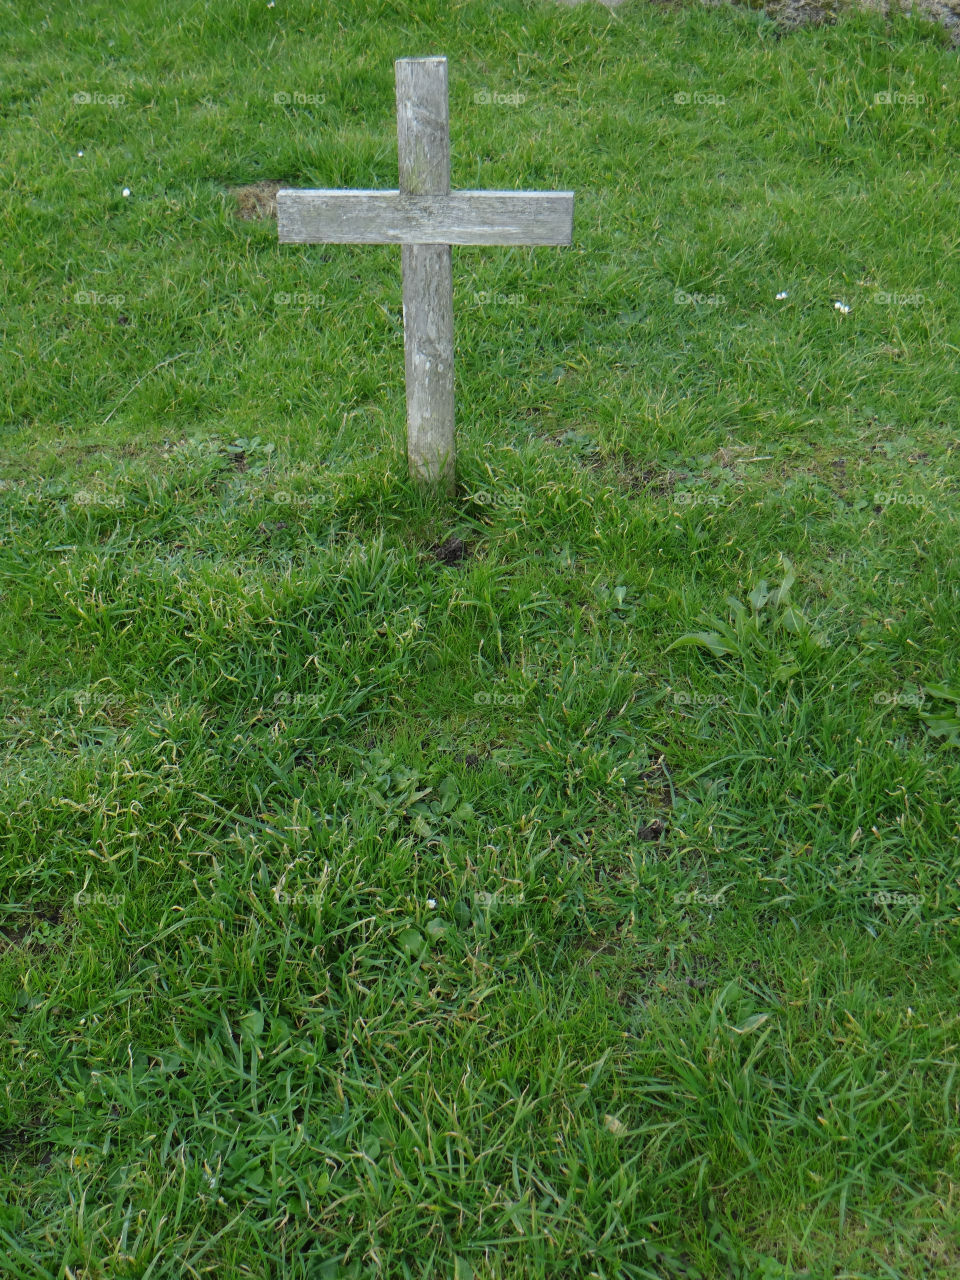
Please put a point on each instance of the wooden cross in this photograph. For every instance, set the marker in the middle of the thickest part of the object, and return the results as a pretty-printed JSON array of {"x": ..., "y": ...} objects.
[{"x": 426, "y": 218}]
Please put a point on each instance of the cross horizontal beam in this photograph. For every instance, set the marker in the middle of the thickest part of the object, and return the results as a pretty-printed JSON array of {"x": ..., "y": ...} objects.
[{"x": 396, "y": 217}]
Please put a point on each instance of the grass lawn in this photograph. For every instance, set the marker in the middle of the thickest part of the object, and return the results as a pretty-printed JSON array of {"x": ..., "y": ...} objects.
[{"x": 557, "y": 880}]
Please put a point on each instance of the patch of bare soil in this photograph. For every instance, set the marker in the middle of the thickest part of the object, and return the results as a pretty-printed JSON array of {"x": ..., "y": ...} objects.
[
  {"x": 25, "y": 1141},
  {"x": 257, "y": 200},
  {"x": 452, "y": 551},
  {"x": 636, "y": 478},
  {"x": 30, "y": 930}
]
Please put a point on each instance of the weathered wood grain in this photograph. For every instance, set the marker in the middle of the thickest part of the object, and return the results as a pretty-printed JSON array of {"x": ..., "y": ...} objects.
[
  {"x": 428, "y": 361},
  {"x": 423, "y": 141},
  {"x": 423, "y": 125},
  {"x": 392, "y": 217}
]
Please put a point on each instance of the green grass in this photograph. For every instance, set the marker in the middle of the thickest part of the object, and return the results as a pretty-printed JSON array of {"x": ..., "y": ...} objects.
[{"x": 364, "y": 914}]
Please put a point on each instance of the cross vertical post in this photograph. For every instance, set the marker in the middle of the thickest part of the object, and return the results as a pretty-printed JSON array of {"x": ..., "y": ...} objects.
[{"x": 423, "y": 138}]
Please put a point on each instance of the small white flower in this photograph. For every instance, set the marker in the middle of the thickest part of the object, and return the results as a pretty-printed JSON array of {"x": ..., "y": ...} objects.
[
  {"x": 126, "y": 191},
  {"x": 841, "y": 307},
  {"x": 781, "y": 296},
  {"x": 431, "y": 903},
  {"x": 79, "y": 153}
]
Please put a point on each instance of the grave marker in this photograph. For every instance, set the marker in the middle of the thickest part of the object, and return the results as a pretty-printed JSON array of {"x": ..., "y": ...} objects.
[{"x": 426, "y": 218}]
